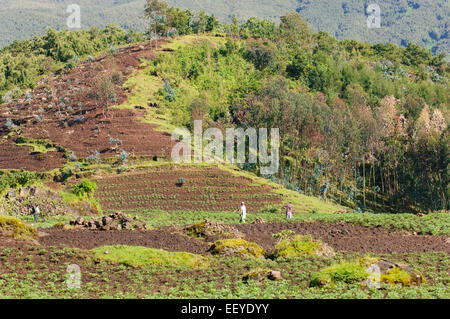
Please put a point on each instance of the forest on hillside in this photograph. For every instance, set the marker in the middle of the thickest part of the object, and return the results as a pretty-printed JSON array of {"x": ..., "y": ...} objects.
[
  {"x": 362, "y": 124},
  {"x": 422, "y": 22}
]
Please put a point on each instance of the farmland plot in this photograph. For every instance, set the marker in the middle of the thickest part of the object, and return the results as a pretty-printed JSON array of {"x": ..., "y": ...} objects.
[{"x": 176, "y": 188}]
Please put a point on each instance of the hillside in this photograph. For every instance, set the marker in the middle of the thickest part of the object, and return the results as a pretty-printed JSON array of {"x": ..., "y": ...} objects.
[
  {"x": 421, "y": 22},
  {"x": 357, "y": 209}
]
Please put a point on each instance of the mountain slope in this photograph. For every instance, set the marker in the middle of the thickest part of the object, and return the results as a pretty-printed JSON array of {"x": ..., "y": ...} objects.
[{"x": 422, "y": 22}]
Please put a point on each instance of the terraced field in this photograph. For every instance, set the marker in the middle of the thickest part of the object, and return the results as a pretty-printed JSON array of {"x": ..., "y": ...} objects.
[{"x": 204, "y": 189}]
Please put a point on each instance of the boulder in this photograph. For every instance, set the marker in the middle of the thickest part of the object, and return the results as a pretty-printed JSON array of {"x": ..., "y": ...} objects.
[
  {"x": 79, "y": 221},
  {"x": 262, "y": 274},
  {"x": 11, "y": 194},
  {"x": 106, "y": 220},
  {"x": 393, "y": 273}
]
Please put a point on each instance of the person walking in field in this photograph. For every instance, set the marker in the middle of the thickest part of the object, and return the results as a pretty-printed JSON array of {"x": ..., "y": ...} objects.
[
  {"x": 36, "y": 211},
  {"x": 289, "y": 209},
  {"x": 243, "y": 212}
]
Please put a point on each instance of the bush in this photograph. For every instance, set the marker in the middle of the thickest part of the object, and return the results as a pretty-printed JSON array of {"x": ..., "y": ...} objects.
[
  {"x": 344, "y": 272},
  {"x": 239, "y": 247},
  {"x": 94, "y": 157},
  {"x": 124, "y": 155},
  {"x": 15, "y": 228},
  {"x": 297, "y": 246},
  {"x": 284, "y": 234},
  {"x": 84, "y": 189},
  {"x": 17, "y": 179}
]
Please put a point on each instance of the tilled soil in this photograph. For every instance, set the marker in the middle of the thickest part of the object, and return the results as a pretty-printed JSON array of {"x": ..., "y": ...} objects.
[
  {"x": 342, "y": 237},
  {"x": 66, "y": 110},
  {"x": 207, "y": 189},
  {"x": 167, "y": 238},
  {"x": 348, "y": 237}
]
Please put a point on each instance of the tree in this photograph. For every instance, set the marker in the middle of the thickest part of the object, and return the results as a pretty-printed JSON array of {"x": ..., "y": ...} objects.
[
  {"x": 294, "y": 30},
  {"x": 234, "y": 27},
  {"x": 155, "y": 11}
]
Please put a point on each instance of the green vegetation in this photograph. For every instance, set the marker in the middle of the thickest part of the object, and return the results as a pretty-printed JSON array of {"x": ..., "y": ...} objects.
[
  {"x": 344, "y": 272},
  {"x": 298, "y": 245},
  {"x": 39, "y": 146},
  {"x": 343, "y": 19},
  {"x": 430, "y": 224},
  {"x": 137, "y": 256},
  {"x": 85, "y": 189},
  {"x": 15, "y": 228},
  {"x": 358, "y": 121},
  {"x": 16, "y": 179},
  {"x": 399, "y": 276},
  {"x": 22, "y": 63},
  {"x": 46, "y": 278},
  {"x": 239, "y": 247}
]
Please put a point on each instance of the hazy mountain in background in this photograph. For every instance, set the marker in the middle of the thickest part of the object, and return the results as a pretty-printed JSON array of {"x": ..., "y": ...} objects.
[{"x": 424, "y": 22}]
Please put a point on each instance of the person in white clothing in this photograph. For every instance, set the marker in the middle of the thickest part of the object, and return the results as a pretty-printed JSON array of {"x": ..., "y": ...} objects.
[{"x": 243, "y": 212}]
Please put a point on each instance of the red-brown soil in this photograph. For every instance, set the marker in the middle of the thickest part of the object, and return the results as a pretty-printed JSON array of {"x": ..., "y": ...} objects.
[
  {"x": 13, "y": 156},
  {"x": 342, "y": 237},
  {"x": 206, "y": 189},
  {"x": 68, "y": 109}
]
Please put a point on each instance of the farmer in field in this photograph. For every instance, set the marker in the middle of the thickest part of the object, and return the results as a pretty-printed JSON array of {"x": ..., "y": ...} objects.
[
  {"x": 243, "y": 212},
  {"x": 289, "y": 209},
  {"x": 36, "y": 211}
]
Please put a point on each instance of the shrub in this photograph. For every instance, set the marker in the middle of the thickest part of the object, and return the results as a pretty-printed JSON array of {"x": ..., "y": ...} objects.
[
  {"x": 9, "y": 124},
  {"x": 117, "y": 78},
  {"x": 113, "y": 141},
  {"x": 283, "y": 234},
  {"x": 171, "y": 93},
  {"x": 18, "y": 179},
  {"x": 344, "y": 272},
  {"x": 298, "y": 245},
  {"x": 84, "y": 189},
  {"x": 79, "y": 119},
  {"x": 239, "y": 247},
  {"x": 93, "y": 157},
  {"x": 15, "y": 228},
  {"x": 124, "y": 156}
]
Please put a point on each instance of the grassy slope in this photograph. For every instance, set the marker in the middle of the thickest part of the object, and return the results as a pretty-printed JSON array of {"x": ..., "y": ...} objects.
[{"x": 144, "y": 88}]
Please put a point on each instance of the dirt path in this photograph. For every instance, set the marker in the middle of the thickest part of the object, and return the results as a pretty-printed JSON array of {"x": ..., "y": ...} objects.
[{"x": 342, "y": 237}]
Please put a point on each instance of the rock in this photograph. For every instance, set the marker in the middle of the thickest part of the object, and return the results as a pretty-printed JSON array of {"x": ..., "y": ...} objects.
[
  {"x": 98, "y": 223},
  {"x": 275, "y": 275},
  {"x": 259, "y": 221},
  {"x": 393, "y": 273},
  {"x": 79, "y": 221},
  {"x": 116, "y": 221},
  {"x": 262, "y": 274},
  {"x": 106, "y": 220},
  {"x": 11, "y": 194},
  {"x": 141, "y": 226},
  {"x": 105, "y": 227},
  {"x": 115, "y": 226},
  {"x": 127, "y": 226}
]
